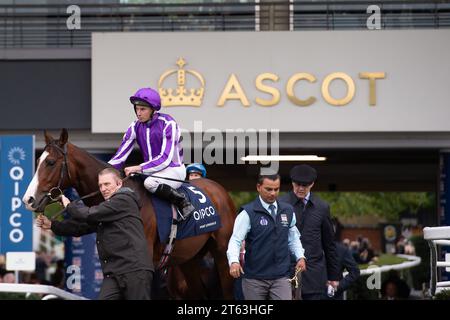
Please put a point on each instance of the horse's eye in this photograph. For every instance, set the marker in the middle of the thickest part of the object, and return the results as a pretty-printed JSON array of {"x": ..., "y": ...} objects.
[{"x": 50, "y": 162}]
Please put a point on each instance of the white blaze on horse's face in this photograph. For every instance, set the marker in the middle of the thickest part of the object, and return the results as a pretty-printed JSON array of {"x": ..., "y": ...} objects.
[{"x": 30, "y": 194}]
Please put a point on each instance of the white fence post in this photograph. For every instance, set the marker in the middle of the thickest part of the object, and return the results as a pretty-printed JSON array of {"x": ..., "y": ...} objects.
[{"x": 436, "y": 236}]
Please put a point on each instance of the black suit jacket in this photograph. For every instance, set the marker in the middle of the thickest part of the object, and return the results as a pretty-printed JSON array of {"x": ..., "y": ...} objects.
[
  {"x": 121, "y": 241},
  {"x": 346, "y": 262},
  {"x": 317, "y": 237}
]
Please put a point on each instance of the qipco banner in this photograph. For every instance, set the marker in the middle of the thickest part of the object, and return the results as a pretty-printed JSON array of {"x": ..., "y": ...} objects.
[{"x": 16, "y": 172}]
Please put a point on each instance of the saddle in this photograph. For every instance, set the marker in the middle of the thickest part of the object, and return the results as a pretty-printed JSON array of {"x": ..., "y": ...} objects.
[{"x": 204, "y": 219}]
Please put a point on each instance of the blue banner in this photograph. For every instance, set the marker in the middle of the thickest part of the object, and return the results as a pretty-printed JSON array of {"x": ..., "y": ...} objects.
[
  {"x": 16, "y": 172},
  {"x": 444, "y": 204},
  {"x": 82, "y": 253}
]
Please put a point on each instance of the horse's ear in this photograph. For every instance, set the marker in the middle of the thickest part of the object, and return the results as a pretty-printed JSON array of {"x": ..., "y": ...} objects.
[
  {"x": 48, "y": 138},
  {"x": 63, "y": 137}
]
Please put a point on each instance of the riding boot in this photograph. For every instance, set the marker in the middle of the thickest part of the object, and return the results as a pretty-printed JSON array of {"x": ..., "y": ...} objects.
[{"x": 177, "y": 198}]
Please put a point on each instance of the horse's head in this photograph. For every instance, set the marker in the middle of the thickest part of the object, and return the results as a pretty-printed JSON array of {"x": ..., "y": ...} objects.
[{"x": 52, "y": 174}]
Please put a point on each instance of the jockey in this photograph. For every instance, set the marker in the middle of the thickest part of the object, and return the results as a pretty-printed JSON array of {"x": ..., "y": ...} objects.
[
  {"x": 158, "y": 137},
  {"x": 195, "y": 171}
]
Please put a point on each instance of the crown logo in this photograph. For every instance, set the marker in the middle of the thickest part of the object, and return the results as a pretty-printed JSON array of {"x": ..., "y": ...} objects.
[{"x": 181, "y": 96}]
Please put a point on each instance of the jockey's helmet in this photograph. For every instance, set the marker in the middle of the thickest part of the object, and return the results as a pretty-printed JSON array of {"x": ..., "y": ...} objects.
[
  {"x": 196, "y": 167},
  {"x": 146, "y": 97}
]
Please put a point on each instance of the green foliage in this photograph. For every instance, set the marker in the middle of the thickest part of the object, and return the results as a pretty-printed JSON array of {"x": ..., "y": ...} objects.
[
  {"x": 443, "y": 295},
  {"x": 18, "y": 296},
  {"x": 385, "y": 260},
  {"x": 386, "y": 205},
  {"x": 240, "y": 198}
]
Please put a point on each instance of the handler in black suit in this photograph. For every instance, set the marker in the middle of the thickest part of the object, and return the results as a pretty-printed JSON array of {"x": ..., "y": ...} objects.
[
  {"x": 122, "y": 247},
  {"x": 316, "y": 233}
]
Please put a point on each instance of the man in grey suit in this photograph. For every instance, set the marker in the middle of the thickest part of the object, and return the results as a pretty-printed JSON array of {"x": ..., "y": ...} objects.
[{"x": 317, "y": 235}]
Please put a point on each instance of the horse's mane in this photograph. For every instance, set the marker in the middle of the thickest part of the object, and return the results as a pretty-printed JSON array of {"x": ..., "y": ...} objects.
[{"x": 91, "y": 156}]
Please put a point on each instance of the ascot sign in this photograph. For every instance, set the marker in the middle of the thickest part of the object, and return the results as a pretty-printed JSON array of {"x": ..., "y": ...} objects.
[
  {"x": 233, "y": 90},
  {"x": 324, "y": 81}
]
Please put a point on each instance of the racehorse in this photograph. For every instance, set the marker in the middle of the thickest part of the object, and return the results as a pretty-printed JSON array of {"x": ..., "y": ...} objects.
[{"x": 63, "y": 165}]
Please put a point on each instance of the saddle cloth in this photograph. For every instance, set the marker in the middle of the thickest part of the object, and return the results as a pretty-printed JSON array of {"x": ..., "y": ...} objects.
[{"x": 204, "y": 219}]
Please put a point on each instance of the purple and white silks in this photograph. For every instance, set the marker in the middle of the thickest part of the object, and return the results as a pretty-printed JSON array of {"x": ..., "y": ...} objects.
[{"x": 158, "y": 140}]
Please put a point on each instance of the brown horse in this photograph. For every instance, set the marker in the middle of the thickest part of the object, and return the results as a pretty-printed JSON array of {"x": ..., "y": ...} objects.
[{"x": 63, "y": 165}]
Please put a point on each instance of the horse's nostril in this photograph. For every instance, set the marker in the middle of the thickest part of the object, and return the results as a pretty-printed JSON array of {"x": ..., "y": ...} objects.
[{"x": 31, "y": 200}]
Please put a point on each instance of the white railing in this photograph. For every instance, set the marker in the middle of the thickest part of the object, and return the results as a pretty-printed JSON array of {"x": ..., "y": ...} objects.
[
  {"x": 437, "y": 236},
  {"x": 412, "y": 262},
  {"x": 49, "y": 291}
]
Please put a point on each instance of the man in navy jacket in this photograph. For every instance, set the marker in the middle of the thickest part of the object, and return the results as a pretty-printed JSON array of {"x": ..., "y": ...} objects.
[{"x": 271, "y": 236}]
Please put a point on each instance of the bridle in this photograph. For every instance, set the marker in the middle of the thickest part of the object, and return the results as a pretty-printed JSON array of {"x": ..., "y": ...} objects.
[{"x": 56, "y": 192}]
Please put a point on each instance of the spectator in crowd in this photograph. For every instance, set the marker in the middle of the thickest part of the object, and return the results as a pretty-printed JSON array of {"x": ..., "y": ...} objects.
[
  {"x": 346, "y": 243},
  {"x": 354, "y": 248},
  {"x": 41, "y": 267},
  {"x": 347, "y": 263},
  {"x": 400, "y": 246},
  {"x": 405, "y": 246},
  {"x": 59, "y": 276},
  {"x": 33, "y": 279},
  {"x": 410, "y": 249},
  {"x": 366, "y": 253},
  {"x": 9, "y": 277},
  {"x": 394, "y": 288}
]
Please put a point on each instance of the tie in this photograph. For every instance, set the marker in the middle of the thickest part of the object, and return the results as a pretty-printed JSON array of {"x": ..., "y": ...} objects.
[
  {"x": 299, "y": 214},
  {"x": 272, "y": 211},
  {"x": 302, "y": 205}
]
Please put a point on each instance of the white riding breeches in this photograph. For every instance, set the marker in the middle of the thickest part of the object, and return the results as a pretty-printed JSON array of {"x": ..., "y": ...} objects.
[{"x": 179, "y": 173}]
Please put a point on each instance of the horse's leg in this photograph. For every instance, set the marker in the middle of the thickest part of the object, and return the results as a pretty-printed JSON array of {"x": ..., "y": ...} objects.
[
  {"x": 218, "y": 249},
  {"x": 225, "y": 206},
  {"x": 187, "y": 284},
  {"x": 176, "y": 283},
  {"x": 192, "y": 274}
]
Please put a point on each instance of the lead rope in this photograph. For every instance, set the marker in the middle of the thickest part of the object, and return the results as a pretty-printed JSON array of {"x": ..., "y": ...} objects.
[{"x": 294, "y": 279}]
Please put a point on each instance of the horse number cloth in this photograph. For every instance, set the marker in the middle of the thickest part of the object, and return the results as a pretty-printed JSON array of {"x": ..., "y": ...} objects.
[{"x": 204, "y": 219}]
